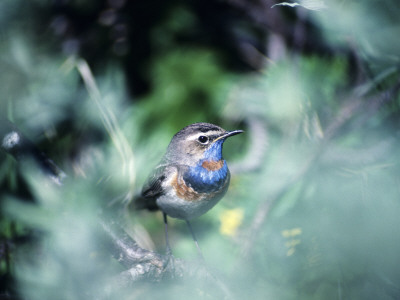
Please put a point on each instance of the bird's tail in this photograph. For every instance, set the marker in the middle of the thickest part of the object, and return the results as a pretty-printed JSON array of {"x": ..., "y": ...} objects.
[{"x": 140, "y": 202}]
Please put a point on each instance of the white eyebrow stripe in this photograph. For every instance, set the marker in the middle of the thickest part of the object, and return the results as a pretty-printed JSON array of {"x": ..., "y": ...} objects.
[{"x": 208, "y": 133}]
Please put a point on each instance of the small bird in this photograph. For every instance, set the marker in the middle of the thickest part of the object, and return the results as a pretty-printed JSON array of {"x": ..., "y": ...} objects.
[{"x": 191, "y": 177}]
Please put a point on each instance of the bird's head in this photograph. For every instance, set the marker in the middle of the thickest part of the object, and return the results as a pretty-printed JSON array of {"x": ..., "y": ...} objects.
[{"x": 198, "y": 142}]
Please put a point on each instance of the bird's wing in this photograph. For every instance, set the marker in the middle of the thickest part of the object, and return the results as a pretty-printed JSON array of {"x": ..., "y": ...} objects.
[
  {"x": 151, "y": 190},
  {"x": 153, "y": 186}
]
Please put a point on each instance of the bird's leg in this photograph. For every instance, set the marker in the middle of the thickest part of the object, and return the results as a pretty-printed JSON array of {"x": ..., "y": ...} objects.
[
  {"x": 169, "y": 262},
  {"x": 169, "y": 251},
  {"x": 195, "y": 240}
]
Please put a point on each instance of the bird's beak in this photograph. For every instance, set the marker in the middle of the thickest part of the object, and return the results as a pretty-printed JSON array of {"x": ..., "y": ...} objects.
[{"x": 228, "y": 134}]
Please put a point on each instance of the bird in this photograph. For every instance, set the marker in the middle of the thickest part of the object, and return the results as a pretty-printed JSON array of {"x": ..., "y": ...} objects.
[{"x": 191, "y": 177}]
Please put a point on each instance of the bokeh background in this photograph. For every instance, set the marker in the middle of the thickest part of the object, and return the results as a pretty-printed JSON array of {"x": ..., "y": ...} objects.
[{"x": 101, "y": 86}]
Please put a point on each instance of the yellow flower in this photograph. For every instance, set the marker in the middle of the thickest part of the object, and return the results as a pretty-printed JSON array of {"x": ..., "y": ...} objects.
[
  {"x": 291, "y": 232},
  {"x": 292, "y": 242},
  {"x": 230, "y": 221}
]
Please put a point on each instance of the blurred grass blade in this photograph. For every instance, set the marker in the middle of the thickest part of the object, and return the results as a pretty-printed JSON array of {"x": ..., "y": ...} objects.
[{"x": 110, "y": 123}]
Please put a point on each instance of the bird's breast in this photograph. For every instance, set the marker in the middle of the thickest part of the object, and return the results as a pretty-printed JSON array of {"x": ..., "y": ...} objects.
[
  {"x": 207, "y": 176},
  {"x": 183, "y": 190},
  {"x": 212, "y": 165},
  {"x": 192, "y": 191}
]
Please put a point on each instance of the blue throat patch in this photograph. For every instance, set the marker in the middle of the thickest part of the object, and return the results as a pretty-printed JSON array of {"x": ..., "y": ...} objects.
[
  {"x": 214, "y": 153},
  {"x": 203, "y": 180}
]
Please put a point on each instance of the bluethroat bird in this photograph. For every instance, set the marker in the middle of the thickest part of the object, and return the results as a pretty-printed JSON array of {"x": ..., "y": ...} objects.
[{"x": 191, "y": 177}]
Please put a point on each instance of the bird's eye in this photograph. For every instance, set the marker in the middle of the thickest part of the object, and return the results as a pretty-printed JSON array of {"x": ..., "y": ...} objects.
[{"x": 203, "y": 139}]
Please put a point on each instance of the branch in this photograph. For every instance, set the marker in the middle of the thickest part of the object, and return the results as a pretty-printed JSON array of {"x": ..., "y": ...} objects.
[{"x": 139, "y": 263}]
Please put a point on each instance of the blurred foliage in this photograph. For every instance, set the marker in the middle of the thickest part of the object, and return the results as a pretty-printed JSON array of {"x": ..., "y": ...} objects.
[{"x": 312, "y": 211}]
